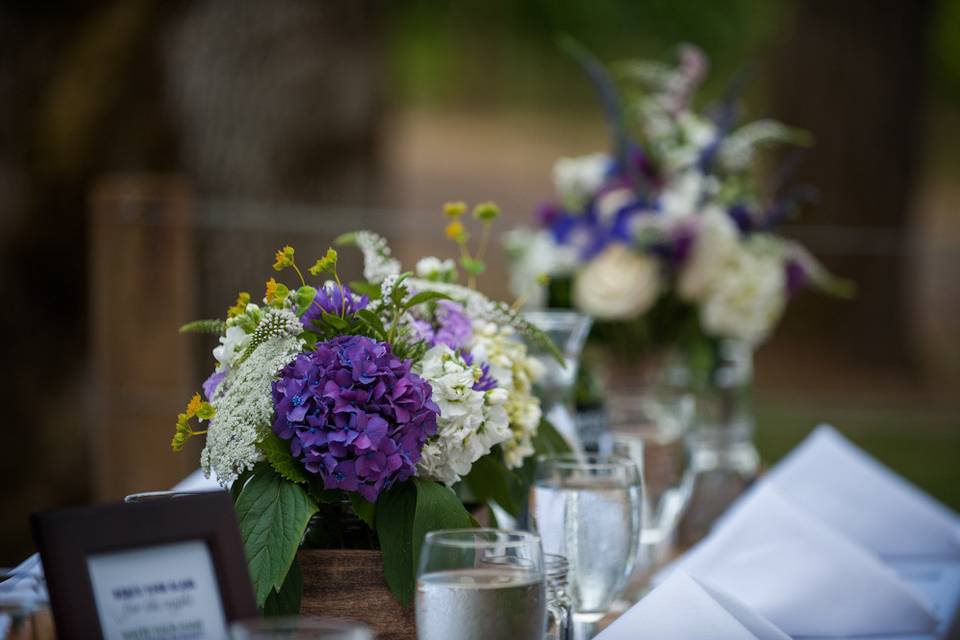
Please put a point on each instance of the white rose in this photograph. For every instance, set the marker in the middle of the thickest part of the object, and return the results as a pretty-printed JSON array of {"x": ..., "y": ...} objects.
[
  {"x": 577, "y": 179},
  {"x": 617, "y": 284},
  {"x": 715, "y": 243},
  {"x": 748, "y": 298}
]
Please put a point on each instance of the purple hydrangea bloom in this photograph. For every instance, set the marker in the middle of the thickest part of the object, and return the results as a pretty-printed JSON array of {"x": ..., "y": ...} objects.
[
  {"x": 451, "y": 326},
  {"x": 354, "y": 414},
  {"x": 332, "y": 298}
]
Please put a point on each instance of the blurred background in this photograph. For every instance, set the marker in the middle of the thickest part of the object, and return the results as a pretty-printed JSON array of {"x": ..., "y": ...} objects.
[{"x": 154, "y": 154}]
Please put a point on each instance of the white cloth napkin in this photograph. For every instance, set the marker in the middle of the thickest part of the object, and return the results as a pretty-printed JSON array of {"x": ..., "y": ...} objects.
[
  {"x": 197, "y": 482},
  {"x": 801, "y": 575},
  {"x": 684, "y": 608},
  {"x": 840, "y": 485}
]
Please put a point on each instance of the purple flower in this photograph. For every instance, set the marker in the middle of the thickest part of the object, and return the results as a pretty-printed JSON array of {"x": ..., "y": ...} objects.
[
  {"x": 796, "y": 276},
  {"x": 210, "y": 384},
  {"x": 451, "y": 326},
  {"x": 354, "y": 414},
  {"x": 486, "y": 381},
  {"x": 334, "y": 299}
]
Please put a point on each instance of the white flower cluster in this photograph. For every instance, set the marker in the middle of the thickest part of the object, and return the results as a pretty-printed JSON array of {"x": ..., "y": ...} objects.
[
  {"x": 232, "y": 345},
  {"x": 470, "y": 423},
  {"x": 378, "y": 263},
  {"x": 433, "y": 268},
  {"x": 577, "y": 179},
  {"x": 515, "y": 372},
  {"x": 244, "y": 407}
]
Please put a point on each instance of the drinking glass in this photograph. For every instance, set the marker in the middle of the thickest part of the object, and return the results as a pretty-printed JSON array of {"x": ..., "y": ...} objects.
[
  {"x": 475, "y": 584},
  {"x": 568, "y": 330},
  {"x": 651, "y": 430},
  {"x": 588, "y": 508},
  {"x": 298, "y": 628}
]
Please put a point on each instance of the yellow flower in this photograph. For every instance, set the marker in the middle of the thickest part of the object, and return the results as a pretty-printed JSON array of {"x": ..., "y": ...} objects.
[
  {"x": 454, "y": 209},
  {"x": 271, "y": 293},
  {"x": 456, "y": 232},
  {"x": 326, "y": 263},
  {"x": 283, "y": 259},
  {"x": 194, "y": 405},
  {"x": 486, "y": 211},
  {"x": 240, "y": 306}
]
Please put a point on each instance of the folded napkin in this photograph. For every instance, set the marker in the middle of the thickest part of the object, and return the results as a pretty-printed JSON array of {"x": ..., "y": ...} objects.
[
  {"x": 197, "y": 482},
  {"x": 684, "y": 608},
  {"x": 801, "y": 575},
  {"x": 840, "y": 485}
]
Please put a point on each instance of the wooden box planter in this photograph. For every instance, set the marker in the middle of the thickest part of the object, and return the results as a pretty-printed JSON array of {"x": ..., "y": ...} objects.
[{"x": 349, "y": 584}]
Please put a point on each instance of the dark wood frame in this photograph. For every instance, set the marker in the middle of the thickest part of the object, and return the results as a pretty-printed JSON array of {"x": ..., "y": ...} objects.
[{"x": 66, "y": 538}]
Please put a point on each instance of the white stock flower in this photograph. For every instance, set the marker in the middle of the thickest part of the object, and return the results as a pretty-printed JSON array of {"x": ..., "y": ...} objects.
[
  {"x": 618, "y": 284},
  {"x": 515, "y": 371},
  {"x": 470, "y": 423},
  {"x": 577, "y": 179},
  {"x": 232, "y": 344},
  {"x": 378, "y": 262},
  {"x": 244, "y": 405},
  {"x": 749, "y": 295},
  {"x": 713, "y": 246}
]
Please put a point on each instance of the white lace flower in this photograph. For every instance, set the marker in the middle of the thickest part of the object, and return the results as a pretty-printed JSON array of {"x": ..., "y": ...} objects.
[
  {"x": 378, "y": 263},
  {"x": 577, "y": 179},
  {"x": 515, "y": 372},
  {"x": 618, "y": 284},
  {"x": 748, "y": 297},
  {"x": 433, "y": 268},
  {"x": 470, "y": 423},
  {"x": 244, "y": 405}
]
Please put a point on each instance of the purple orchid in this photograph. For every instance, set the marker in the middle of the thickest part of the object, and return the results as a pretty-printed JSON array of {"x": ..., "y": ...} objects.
[{"x": 354, "y": 414}]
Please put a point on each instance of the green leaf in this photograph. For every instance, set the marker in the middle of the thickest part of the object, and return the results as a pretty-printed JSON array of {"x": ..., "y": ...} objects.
[
  {"x": 363, "y": 288},
  {"x": 273, "y": 514},
  {"x": 373, "y": 321},
  {"x": 549, "y": 441},
  {"x": 335, "y": 321},
  {"x": 490, "y": 480},
  {"x": 285, "y": 601},
  {"x": 305, "y": 296},
  {"x": 472, "y": 265},
  {"x": 204, "y": 326},
  {"x": 277, "y": 452},
  {"x": 364, "y": 510},
  {"x": 238, "y": 484},
  {"x": 405, "y": 514},
  {"x": 425, "y": 296}
]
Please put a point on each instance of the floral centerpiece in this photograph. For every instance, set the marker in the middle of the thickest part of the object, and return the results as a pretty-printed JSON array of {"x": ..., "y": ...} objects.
[
  {"x": 670, "y": 238},
  {"x": 380, "y": 396}
]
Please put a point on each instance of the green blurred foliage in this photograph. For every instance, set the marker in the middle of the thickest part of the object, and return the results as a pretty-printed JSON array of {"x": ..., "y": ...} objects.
[{"x": 945, "y": 52}]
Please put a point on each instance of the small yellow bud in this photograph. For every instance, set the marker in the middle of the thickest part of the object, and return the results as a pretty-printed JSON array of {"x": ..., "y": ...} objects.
[
  {"x": 271, "y": 293},
  {"x": 326, "y": 263},
  {"x": 454, "y": 209},
  {"x": 486, "y": 211},
  {"x": 456, "y": 232}
]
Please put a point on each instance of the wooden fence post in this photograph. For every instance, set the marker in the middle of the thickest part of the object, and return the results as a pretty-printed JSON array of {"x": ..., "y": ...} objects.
[{"x": 141, "y": 291}]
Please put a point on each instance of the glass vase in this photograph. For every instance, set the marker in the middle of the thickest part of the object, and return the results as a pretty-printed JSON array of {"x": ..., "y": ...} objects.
[{"x": 724, "y": 458}]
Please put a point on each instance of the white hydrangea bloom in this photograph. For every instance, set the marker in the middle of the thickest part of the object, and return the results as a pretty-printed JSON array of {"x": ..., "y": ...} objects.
[
  {"x": 232, "y": 344},
  {"x": 618, "y": 284},
  {"x": 533, "y": 253},
  {"x": 577, "y": 179},
  {"x": 515, "y": 371},
  {"x": 470, "y": 423},
  {"x": 244, "y": 405},
  {"x": 748, "y": 297},
  {"x": 715, "y": 243},
  {"x": 378, "y": 263}
]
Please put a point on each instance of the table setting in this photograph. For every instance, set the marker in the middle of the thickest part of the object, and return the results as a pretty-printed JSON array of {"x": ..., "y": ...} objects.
[{"x": 399, "y": 455}]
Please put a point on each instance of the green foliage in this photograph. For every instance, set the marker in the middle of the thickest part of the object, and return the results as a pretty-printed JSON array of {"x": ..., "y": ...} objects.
[
  {"x": 473, "y": 266},
  {"x": 405, "y": 514},
  {"x": 215, "y": 327},
  {"x": 489, "y": 480},
  {"x": 364, "y": 288},
  {"x": 424, "y": 296},
  {"x": 364, "y": 510},
  {"x": 285, "y": 601},
  {"x": 304, "y": 298},
  {"x": 272, "y": 514},
  {"x": 277, "y": 452}
]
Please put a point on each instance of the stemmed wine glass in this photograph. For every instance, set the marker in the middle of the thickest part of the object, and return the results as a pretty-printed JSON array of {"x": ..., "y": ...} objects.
[
  {"x": 474, "y": 584},
  {"x": 588, "y": 508}
]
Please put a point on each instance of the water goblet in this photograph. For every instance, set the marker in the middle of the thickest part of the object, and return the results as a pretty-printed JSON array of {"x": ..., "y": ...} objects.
[
  {"x": 474, "y": 584},
  {"x": 588, "y": 508}
]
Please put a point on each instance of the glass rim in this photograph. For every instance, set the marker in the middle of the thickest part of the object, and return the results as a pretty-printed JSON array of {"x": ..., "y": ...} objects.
[
  {"x": 556, "y": 318},
  {"x": 171, "y": 493},
  {"x": 299, "y": 622},
  {"x": 507, "y": 537},
  {"x": 566, "y": 461}
]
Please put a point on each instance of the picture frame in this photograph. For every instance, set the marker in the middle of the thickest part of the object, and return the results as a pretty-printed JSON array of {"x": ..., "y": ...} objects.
[{"x": 95, "y": 555}]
